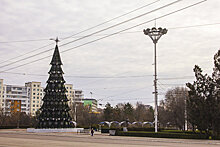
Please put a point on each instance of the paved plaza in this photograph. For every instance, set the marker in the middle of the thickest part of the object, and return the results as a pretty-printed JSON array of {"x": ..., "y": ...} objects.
[{"x": 20, "y": 138}]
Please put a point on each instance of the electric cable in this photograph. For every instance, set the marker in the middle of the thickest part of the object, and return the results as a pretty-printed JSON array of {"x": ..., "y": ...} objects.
[
  {"x": 72, "y": 35},
  {"x": 189, "y": 6},
  {"x": 93, "y": 33}
]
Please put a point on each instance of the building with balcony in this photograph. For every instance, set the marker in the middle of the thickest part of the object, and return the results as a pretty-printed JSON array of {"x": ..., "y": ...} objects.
[
  {"x": 28, "y": 98},
  {"x": 73, "y": 95},
  {"x": 35, "y": 94},
  {"x": 69, "y": 93},
  {"x": 1, "y": 93},
  {"x": 15, "y": 99}
]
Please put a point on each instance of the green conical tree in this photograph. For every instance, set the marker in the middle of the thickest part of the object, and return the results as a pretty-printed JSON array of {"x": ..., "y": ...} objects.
[{"x": 55, "y": 109}]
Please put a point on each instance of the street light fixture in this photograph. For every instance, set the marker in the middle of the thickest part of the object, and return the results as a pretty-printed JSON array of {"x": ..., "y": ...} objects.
[{"x": 155, "y": 34}]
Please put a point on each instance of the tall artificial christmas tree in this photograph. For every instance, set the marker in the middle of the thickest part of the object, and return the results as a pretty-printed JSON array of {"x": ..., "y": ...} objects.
[{"x": 55, "y": 109}]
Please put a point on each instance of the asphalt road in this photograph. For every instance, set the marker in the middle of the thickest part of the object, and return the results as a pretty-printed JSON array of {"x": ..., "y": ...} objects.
[{"x": 19, "y": 138}]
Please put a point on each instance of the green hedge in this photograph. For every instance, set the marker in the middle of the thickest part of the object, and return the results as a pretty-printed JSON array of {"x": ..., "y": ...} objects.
[
  {"x": 105, "y": 130},
  {"x": 162, "y": 135},
  {"x": 179, "y": 131},
  {"x": 14, "y": 127},
  {"x": 143, "y": 129}
]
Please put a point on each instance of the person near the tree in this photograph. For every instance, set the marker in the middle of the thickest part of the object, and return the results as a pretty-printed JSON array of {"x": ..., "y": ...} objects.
[{"x": 92, "y": 132}]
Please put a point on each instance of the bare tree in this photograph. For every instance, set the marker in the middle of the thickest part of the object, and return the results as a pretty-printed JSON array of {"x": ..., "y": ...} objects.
[{"x": 173, "y": 107}]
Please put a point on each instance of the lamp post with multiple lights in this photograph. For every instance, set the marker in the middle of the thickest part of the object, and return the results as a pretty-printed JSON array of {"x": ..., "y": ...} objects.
[{"x": 155, "y": 34}]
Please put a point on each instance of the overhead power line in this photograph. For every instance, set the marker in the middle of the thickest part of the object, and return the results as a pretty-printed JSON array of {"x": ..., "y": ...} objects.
[
  {"x": 20, "y": 41},
  {"x": 165, "y": 15},
  {"x": 169, "y": 28},
  {"x": 24, "y": 54},
  {"x": 176, "y": 78},
  {"x": 126, "y": 99},
  {"x": 84, "y": 77},
  {"x": 111, "y": 19},
  {"x": 77, "y": 33},
  {"x": 94, "y": 33},
  {"x": 172, "y": 28},
  {"x": 136, "y": 17},
  {"x": 31, "y": 40}
]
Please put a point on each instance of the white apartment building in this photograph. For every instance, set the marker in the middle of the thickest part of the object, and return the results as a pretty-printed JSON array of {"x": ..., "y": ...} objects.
[
  {"x": 73, "y": 95},
  {"x": 28, "y": 98},
  {"x": 1, "y": 93},
  {"x": 69, "y": 93},
  {"x": 78, "y": 94},
  {"x": 35, "y": 95},
  {"x": 14, "y": 98}
]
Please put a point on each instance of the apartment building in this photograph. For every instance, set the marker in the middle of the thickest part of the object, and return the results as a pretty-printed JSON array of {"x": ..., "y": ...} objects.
[
  {"x": 73, "y": 95},
  {"x": 78, "y": 94},
  {"x": 15, "y": 99},
  {"x": 69, "y": 93},
  {"x": 35, "y": 94},
  {"x": 1, "y": 93},
  {"x": 28, "y": 98}
]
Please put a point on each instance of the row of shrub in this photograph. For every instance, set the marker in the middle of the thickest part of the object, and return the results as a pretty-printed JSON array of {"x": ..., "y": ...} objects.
[
  {"x": 106, "y": 130},
  {"x": 162, "y": 135},
  {"x": 180, "y": 131},
  {"x": 14, "y": 127},
  {"x": 142, "y": 129}
]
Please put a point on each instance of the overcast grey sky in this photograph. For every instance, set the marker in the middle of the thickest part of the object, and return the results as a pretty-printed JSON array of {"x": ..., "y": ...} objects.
[{"x": 128, "y": 57}]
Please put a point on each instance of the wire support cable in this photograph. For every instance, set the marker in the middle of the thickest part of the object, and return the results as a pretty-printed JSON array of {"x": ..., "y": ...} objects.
[
  {"x": 93, "y": 33},
  {"x": 89, "y": 42}
]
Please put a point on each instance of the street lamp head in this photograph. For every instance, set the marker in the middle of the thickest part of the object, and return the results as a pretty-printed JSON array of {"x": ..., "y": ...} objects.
[
  {"x": 146, "y": 31},
  {"x": 160, "y": 29},
  {"x": 165, "y": 31},
  {"x": 155, "y": 31}
]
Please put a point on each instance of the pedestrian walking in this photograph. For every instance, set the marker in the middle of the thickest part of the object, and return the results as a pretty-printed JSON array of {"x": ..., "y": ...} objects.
[{"x": 92, "y": 132}]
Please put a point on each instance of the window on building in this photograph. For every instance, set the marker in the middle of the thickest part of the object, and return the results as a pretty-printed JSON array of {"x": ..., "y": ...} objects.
[
  {"x": 38, "y": 85},
  {"x": 33, "y": 89},
  {"x": 37, "y": 101},
  {"x": 33, "y": 105},
  {"x": 33, "y": 101},
  {"x": 33, "y": 93},
  {"x": 37, "y": 105},
  {"x": 34, "y": 85},
  {"x": 33, "y": 97},
  {"x": 37, "y": 97},
  {"x": 33, "y": 109}
]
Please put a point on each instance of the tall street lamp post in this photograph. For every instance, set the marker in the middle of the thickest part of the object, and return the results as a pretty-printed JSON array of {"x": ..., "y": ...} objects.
[{"x": 155, "y": 34}]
